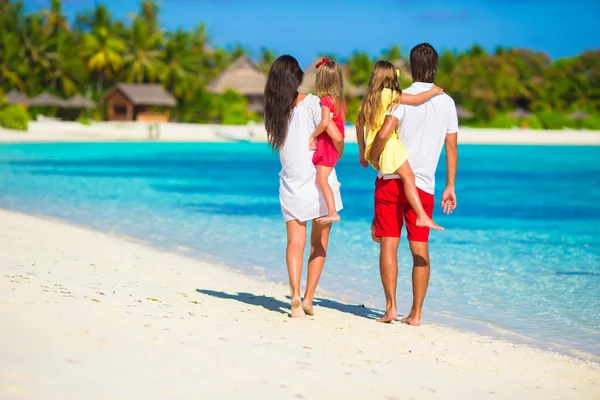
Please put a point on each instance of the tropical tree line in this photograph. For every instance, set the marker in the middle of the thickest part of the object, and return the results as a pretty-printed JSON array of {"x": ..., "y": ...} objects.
[{"x": 44, "y": 51}]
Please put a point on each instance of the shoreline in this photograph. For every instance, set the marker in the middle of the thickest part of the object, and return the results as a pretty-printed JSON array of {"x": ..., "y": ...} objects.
[
  {"x": 442, "y": 319},
  {"x": 57, "y": 131},
  {"x": 183, "y": 324}
]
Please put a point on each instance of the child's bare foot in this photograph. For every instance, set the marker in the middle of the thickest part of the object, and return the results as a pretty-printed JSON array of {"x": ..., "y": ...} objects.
[
  {"x": 329, "y": 218},
  {"x": 428, "y": 223}
]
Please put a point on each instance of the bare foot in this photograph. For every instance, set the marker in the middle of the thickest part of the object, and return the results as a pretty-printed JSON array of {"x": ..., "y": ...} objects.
[
  {"x": 412, "y": 321},
  {"x": 297, "y": 311},
  {"x": 308, "y": 310},
  {"x": 388, "y": 317},
  {"x": 328, "y": 219},
  {"x": 428, "y": 222}
]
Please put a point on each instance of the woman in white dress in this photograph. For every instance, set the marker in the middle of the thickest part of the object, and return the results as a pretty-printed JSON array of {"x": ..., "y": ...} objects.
[{"x": 290, "y": 118}]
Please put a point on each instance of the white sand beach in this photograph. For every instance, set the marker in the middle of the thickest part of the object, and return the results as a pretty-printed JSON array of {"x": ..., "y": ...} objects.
[
  {"x": 89, "y": 315},
  {"x": 59, "y": 131}
]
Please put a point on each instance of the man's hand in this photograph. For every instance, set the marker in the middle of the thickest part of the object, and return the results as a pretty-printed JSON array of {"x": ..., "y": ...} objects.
[
  {"x": 362, "y": 160},
  {"x": 448, "y": 200},
  {"x": 376, "y": 239}
]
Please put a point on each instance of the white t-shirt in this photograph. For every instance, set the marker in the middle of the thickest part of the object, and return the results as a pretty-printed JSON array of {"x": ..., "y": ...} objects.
[{"x": 423, "y": 129}]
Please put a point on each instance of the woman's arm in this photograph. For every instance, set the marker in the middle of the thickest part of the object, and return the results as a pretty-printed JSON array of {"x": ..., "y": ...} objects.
[
  {"x": 360, "y": 139},
  {"x": 415, "y": 99},
  {"x": 336, "y": 138}
]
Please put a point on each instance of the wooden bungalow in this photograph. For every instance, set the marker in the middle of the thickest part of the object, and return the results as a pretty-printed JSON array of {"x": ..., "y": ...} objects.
[
  {"x": 310, "y": 76},
  {"x": 244, "y": 77},
  {"x": 131, "y": 101}
]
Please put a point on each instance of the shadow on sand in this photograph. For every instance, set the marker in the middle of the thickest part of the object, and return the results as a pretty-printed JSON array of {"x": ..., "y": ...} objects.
[{"x": 278, "y": 306}]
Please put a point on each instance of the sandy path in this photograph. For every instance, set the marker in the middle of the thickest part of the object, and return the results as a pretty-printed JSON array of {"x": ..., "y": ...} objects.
[{"x": 87, "y": 315}]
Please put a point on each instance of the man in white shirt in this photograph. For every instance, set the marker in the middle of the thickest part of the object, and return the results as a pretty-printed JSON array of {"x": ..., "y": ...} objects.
[{"x": 424, "y": 129}]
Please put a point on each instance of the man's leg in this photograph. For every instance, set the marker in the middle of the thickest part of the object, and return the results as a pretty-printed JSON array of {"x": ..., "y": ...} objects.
[
  {"x": 388, "y": 223},
  {"x": 388, "y": 267},
  {"x": 418, "y": 239},
  {"x": 420, "y": 281}
]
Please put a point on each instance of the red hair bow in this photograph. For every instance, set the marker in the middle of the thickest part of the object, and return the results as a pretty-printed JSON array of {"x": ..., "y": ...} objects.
[{"x": 323, "y": 61}]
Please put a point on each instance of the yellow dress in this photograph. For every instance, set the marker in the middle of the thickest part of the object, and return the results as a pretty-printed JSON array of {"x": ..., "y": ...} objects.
[{"x": 394, "y": 154}]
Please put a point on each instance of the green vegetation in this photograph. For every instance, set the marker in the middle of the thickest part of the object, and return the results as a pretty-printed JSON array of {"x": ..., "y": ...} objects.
[
  {"x": 14, "y": 117},
  {"x": 45, "y": 51}
]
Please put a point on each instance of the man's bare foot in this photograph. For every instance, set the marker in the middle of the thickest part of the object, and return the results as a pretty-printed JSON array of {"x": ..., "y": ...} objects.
[
  {"x": 376, "y": 239},
  {"x": 412, "y": 321},
  {"x": 297, "y": 311},
  {"x": 388, "y": 317},
  {"x": 428, "y": 222},
  {"x": 329, "y": 218}
]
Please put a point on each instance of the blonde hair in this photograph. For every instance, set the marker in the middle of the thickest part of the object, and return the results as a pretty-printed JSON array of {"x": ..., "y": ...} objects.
[
  {"x": 330, "y": 82},
  {"x": 384, "y": 76}
]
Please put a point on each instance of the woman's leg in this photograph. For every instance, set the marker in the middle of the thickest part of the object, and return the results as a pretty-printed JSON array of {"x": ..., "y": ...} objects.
[
  {"x": 412, "y": 195},
  {"x": 318, "y": 251},
  {"x": 323, "y": 183},
  {"x": 296, "y": 240}
]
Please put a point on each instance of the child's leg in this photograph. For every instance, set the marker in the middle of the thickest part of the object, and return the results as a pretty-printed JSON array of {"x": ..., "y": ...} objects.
[
  {"x": 412, "y": 195},
  {"x": 322, "y": 181}
]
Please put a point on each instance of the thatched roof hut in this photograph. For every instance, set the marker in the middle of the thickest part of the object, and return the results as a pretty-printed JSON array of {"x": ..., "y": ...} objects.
[
  {"x": 520, "y": 113},
  {"x": 46, "y": 100},
  {"x": 78, "y": 101},
  {"x": 579, "y": 115},
  {"x": 310, "y": 76},
  {"x": 243, "y": 76},
  {"x": 130, "y": 101},
  {"x": 15, "y": 97}
]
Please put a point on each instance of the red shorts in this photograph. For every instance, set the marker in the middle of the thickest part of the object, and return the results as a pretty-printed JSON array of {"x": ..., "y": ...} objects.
[
  {"x": 326, "y": 154},
  {"x": 392, "y": 208}
]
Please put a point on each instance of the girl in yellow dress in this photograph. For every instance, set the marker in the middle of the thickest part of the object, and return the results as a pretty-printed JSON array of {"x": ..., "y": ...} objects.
[{"x": 384, "y": 93}]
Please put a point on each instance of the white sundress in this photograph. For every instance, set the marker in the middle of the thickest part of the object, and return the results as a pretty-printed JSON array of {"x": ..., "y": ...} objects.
[{"x": 299, "y": 195}]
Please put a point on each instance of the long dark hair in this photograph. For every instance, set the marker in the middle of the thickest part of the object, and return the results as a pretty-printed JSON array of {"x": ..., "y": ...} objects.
[{"x": 281, "y": 91}]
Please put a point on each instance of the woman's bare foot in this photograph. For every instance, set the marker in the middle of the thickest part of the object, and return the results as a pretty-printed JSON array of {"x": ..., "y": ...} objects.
[
  {"x": 329, "y": 218},
  {"x": 297, "y": 311},
  {"x": 308, "y": 310},
  {"x": 412, "y": 321},
  {"x": 388, "y": 317},
  {"x": 428, "y": 222}
]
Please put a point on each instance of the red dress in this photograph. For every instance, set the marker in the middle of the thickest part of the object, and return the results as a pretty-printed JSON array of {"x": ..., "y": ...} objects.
[{"x": 326, "y": 154}]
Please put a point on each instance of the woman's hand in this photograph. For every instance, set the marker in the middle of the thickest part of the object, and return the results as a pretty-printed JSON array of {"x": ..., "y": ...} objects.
[{"x": 312, "y": 143}]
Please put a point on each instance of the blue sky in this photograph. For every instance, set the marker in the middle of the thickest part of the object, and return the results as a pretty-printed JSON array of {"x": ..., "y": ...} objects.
[{"x": 305, "y": 27}]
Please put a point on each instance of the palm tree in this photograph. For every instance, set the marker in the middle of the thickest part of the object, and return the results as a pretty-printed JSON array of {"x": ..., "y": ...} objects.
[
  {"x": 54, "y": 20},
  {"x": 103, "y": 54},
  {"x": 267, "y": 57},
  {"x": 143, "y": 61},
  {"x": 11, "y": 56},
  {"x": 36, "y": 49},
  {"x": 180, "y": 71},
  {"x": 67, "y": 70},
  {"x": 360, "y": 65}
]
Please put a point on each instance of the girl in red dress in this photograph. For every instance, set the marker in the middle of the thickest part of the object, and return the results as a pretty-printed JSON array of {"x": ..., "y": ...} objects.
[{"x": 329, "y": 86}]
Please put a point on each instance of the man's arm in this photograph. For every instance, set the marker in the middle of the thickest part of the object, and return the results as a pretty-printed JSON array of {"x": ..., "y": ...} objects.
[
  {"x": 382, "y": 137},
  {"x": 449, "y": 196}
]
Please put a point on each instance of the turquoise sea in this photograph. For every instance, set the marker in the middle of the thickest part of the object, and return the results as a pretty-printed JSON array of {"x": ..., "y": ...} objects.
[{"x": 520, "y": 258}]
